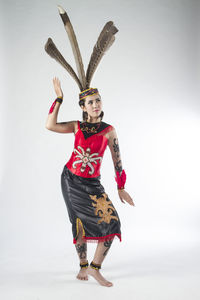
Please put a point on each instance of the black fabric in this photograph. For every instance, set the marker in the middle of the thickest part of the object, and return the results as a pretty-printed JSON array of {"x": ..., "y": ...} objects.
[
  {"x": 90, "y": 129},
  {"x": 77, "y": 192}
]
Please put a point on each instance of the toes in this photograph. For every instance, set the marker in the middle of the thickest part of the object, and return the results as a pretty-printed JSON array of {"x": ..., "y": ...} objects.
[{"x": 81, "y": 278}]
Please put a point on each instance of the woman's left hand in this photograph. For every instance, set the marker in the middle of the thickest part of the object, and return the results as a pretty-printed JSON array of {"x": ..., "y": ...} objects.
[{"x": 123, "y": 195}]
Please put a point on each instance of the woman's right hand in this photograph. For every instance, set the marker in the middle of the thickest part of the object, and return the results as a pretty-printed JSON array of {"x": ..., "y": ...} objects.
[
  {"x": 123, "y": 195},
  {"x": 57, "y": 87}
]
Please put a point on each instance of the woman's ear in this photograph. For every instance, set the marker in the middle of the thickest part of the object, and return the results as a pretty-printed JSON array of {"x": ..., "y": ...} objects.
[{"x": 83, "y": 107}]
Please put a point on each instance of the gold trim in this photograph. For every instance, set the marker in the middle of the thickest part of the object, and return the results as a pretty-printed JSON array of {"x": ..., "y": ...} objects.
[
  {"x": 77, "y": 227},
  {"x": 94, "y": 268},
  {"x": 87, "y": 96},
  {"x": 87, "y": 90}
]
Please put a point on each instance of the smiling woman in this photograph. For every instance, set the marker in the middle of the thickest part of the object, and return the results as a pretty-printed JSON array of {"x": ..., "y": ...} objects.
[
  {"x": 92, "y": 106},
  {"x": 91, "y": 212}
]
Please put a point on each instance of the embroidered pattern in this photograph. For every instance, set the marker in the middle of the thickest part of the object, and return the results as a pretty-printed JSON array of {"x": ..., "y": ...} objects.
[
  {"x": 104, "y": 208},
  {"x": 85, "y": 93},
  {"x": 86, "y": 159},
  {"x": 93, "y": 129}
]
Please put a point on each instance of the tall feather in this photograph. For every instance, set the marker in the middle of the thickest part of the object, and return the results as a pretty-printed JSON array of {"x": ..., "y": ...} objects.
[
  {"x": 105, "y": 40},
  {"x": 51, "y": 49},
  {"x": 74, "y": 45}
]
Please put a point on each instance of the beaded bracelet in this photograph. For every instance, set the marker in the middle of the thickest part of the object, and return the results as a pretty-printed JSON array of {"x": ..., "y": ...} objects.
[
  {"x": 84, "y": 265},
  {"x": 58, "y": 99},
  {"x": 95, "y": 266}
]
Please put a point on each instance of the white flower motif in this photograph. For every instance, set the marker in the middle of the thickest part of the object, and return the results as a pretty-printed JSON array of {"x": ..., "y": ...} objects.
[{"x": 86, "y": 159}]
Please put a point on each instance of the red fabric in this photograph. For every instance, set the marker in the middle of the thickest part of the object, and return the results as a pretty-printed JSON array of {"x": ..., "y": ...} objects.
[
  {"x": 120, "y": 179},
  {"x": 99, "y": 239},
  {"x": 87, "y": 155},
  {"x": 52, "y": 107}
]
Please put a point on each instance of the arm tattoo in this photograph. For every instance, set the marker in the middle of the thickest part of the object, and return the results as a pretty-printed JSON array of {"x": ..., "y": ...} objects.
[
  {"x": 107, "y": 244},
  {"x": 81, "y": 250},
  {"x": 116, "y": 147},
  {"x": 118, "y": 165}
]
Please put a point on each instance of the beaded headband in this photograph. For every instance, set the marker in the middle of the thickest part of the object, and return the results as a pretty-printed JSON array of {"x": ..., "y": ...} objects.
[{"x": 88, "y": 92}]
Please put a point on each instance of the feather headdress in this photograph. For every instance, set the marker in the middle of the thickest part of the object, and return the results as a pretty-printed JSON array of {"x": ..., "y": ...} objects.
[{"x": 104, "y": 41}]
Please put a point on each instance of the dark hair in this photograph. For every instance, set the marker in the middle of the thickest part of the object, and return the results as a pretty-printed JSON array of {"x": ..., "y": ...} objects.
[{"x": 85, "y": 114}]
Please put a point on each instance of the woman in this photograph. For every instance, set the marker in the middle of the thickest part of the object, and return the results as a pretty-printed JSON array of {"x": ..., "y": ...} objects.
[{"x": 90, "y": 210}]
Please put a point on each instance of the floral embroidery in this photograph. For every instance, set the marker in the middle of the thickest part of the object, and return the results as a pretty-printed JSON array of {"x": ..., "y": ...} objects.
[
  {"x": 104, "y": 208},
  {"x": 86, "y": 159}
]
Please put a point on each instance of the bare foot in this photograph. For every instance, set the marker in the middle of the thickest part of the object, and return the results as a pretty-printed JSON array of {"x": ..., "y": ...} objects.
[
  {"x": 82, "y": 275},
  {"x": 97, "y": 275}
]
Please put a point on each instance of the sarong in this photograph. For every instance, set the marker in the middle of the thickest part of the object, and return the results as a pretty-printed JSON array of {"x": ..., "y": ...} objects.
[{"x": 88, "y": 204}]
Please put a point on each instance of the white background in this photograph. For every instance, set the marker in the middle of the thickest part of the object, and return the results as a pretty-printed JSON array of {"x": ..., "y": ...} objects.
[{"x": 149, "y": 83}]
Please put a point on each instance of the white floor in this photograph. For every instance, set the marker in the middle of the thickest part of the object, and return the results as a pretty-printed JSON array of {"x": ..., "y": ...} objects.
[
  {"x": 149, "y": 274},
  {"x": 155, "y": 275}
]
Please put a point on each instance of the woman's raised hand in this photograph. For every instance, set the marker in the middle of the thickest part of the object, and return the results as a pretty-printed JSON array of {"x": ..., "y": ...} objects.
[
  {"x": 57, "y": 87},
  {"x": 123, "y": 195}
]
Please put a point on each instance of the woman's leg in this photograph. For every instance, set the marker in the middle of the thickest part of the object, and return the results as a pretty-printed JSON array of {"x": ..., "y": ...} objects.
[
  {"x": 81, "y": 248},
  {"x": 100, "y": 254}
]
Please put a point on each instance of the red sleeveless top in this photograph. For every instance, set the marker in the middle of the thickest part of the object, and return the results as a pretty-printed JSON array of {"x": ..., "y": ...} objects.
[{"x": 89, "y": 146}]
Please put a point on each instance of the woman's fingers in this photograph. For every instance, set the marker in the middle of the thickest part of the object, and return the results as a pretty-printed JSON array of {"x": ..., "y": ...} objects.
[
  {"x": 57, "y": 86},
  {"x": 122, "y": 200},
  {"x": 131, "y": 202},
  {"x": 129, "y": 199},
  {"x": 56, "y": 80}
]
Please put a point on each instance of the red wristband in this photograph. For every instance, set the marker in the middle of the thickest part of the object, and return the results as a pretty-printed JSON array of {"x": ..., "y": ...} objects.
[
  {"x": 52, "y": 107},
  {"x": 120, "y": 179},
  {"x": 59, "y": 99}
]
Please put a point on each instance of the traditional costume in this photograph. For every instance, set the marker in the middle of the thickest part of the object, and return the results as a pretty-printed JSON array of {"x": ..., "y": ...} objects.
[{"x": 86, "y": 200}]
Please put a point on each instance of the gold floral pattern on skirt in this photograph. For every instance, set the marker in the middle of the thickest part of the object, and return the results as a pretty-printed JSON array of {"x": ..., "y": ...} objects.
[{"x": 104, "y": 208}]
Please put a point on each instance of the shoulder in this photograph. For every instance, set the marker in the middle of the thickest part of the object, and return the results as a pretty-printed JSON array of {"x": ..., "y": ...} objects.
[
  {"x": 111, "y": 127},
  {"x": 76, "y": 126},
  {"x": 110, "y": 132}
]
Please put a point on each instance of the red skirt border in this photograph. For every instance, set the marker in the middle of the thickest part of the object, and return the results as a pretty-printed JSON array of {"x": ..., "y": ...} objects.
[{"x": 99, "y": 239}]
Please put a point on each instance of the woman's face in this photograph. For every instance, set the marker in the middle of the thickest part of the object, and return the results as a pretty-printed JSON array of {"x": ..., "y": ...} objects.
[{"x": 93, "y": 106}]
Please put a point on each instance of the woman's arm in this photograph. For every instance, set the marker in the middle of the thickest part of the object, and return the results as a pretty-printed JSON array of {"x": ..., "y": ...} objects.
[
  {"x": 51, "y": 123},
  {"x": 116, "y": 157},
  {"x": 115, "y": 152},
  {"x": 61, "y": 127}
]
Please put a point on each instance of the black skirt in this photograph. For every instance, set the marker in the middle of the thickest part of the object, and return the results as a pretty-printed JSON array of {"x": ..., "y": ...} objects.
[{"x": 88, "y": 204}]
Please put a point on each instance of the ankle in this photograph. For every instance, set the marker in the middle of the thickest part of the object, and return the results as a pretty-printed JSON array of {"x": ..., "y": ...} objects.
[
  {"x": 95, "y": 266},
  {"x": 84, "y": 265}
]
